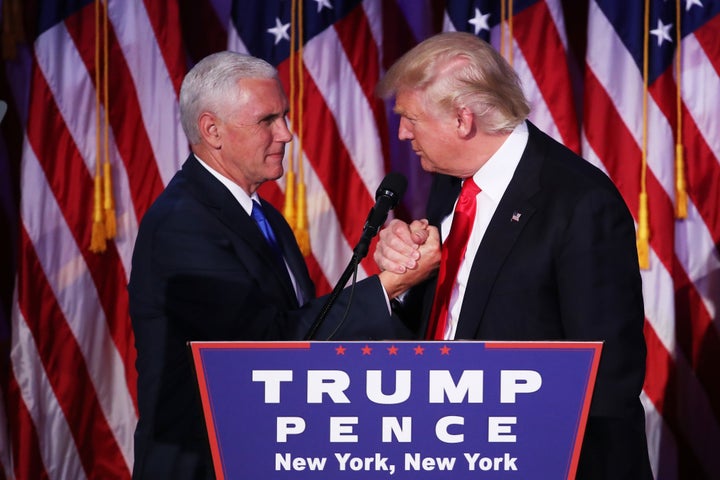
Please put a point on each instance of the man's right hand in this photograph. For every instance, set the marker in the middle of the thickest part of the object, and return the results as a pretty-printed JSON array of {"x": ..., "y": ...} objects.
[
  {"x": 407, "y": 254},
  {"x": 399, "y": 245}
]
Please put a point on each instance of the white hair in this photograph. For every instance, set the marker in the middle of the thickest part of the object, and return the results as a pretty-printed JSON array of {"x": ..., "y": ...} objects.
[{"x": 213, "y": 83}]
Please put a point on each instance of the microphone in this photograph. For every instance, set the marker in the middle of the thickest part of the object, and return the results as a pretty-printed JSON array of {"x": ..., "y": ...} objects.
[{"x": 387, "y": 196}]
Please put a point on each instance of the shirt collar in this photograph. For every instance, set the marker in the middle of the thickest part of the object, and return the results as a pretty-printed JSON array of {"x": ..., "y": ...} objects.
[
  {"x": 240, "y": 195},
  {"x": 494, "y": 177}
]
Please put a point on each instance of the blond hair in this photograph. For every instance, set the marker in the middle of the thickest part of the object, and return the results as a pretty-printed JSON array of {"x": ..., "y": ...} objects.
[{"x": 457, "y": 69}]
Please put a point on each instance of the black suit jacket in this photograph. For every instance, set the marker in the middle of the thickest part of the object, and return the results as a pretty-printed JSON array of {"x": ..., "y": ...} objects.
[
  {"x": 566, "y": 269},
  {"x": 202, "y": 270}
]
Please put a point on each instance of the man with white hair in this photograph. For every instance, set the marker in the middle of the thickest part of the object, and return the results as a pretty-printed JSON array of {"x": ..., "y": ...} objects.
[{"x": 213, "y": 261}]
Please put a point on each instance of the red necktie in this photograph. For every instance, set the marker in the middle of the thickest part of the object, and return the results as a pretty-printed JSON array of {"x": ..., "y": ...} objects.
[{"x": 453, "y": 251}]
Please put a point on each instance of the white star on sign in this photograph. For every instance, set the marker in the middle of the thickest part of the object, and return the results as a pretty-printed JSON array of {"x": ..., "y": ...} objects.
[
  {"x": 280, "y": 31},
  {"x": 479, "y": 21},
  {"x": 323, "y": 4},
  {"x": 662, "y": 32}
]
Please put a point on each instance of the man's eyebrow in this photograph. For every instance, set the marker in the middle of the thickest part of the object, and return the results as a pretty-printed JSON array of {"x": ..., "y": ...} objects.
[
  {"x": 404, "y": 113},
  {"x": 274, "y": 115}
]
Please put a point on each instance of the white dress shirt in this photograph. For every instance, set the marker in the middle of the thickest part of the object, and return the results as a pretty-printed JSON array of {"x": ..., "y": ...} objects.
[
  {"x": 493, "y": 179},
  {"x": 245, "y": 202}
]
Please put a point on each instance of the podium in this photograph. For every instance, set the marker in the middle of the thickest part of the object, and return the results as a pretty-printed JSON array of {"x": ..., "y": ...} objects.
[{"x": 395, "y": 410}]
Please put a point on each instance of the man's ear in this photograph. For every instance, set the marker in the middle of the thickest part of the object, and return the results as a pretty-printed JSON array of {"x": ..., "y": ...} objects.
[
  {"x": 208, "y": 126},
  {"x": 465, "y": 122}
]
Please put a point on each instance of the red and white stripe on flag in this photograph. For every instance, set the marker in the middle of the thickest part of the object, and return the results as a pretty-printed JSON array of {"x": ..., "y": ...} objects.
[
  {"x": 344, "y": 127},
  {"x": 681, "y": 393},
  {"x": 71, "y": 393},
  {"x": 72, "y": 385},
  {"x": 534, "y": 41}
]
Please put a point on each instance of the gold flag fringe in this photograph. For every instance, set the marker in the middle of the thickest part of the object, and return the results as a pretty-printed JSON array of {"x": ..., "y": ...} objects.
[
  {"x": 98, "y": 239},
  {"x": 295, "y": 210},
  {"x": 109, "y": 203},
  {"x": 108, "y": 200},
  {"x": 506, "y": 30},
  {"x": 290, "y": 209},
  {"x": 302, "y": 233},
  {"x": 681, "y": 200},
  {"x": 104, "y": 221},
  {"x": 643, "y": 232}
]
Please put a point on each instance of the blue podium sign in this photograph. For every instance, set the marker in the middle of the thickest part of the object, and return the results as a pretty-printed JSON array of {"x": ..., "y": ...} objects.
[{"x": 395, "y": 410}]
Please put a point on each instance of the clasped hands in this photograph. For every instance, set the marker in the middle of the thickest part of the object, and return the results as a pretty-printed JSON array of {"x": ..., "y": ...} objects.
[{"x": 406, "y": 254}]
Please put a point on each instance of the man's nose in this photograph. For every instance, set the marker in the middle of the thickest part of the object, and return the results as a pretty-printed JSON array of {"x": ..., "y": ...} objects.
[
  {"x": 404, "y": 130},
  {"x": 282, "y": 132}
]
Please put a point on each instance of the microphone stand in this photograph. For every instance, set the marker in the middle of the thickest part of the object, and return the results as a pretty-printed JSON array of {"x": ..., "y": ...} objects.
[
  {"x": 386, "y": 197},
  {"x": 372, "y": 225},
  {"x": 339, "y": 286}
]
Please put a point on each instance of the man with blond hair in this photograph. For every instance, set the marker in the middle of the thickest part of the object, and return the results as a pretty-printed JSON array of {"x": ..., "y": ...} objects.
[{"x": 538, "y": 244}]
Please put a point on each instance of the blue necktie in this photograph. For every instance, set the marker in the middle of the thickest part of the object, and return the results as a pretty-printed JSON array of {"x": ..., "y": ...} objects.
[{"x": 266, "y": 229}]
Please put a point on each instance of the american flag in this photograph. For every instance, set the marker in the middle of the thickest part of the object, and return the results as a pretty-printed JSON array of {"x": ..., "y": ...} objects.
[
  {"x": 534, "y": 41},
  {"x": 343, "y": 156},
  {"x": 674, "y": 49},
  {"x": 68, "y": 392}
]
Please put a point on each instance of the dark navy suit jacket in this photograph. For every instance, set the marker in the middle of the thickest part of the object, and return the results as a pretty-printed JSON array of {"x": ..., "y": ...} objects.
[
  {"x": 202, "y": 270},
  {"x": 566, "y": 268}
]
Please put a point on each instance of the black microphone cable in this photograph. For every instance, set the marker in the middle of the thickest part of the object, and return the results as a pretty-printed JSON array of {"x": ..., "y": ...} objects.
[{"x": 387, "y": 196}]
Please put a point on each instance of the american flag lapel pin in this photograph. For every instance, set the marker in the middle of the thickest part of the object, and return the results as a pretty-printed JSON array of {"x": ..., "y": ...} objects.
[{"x": 515, "y": 216}]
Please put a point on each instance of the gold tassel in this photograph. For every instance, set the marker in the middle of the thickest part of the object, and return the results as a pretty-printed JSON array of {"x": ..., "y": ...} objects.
[
  {"x": 109, "y": 203},
  {"x": 295, "y": 210},
  {"x": 104, "y": 220},
  {"x": 643, "y": 233},
  {"x": 302, "y": 234},
  {"x": 681, "y": 200},
  {"x": 289, "y": 211},
  {"x": 289, "y": 207},
  {"x": 98, "y": 243},
  {"x": 681, "y": 197}
]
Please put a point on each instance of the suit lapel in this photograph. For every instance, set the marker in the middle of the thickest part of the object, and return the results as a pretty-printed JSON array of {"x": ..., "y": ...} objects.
[
  {"x": 227, "y": 209},
  {"x": 291, "y": 251},
  {"x": 514, "y": 212},
  {"x": 441, "y": 200},
  {"x": 443, "y": 193}
]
